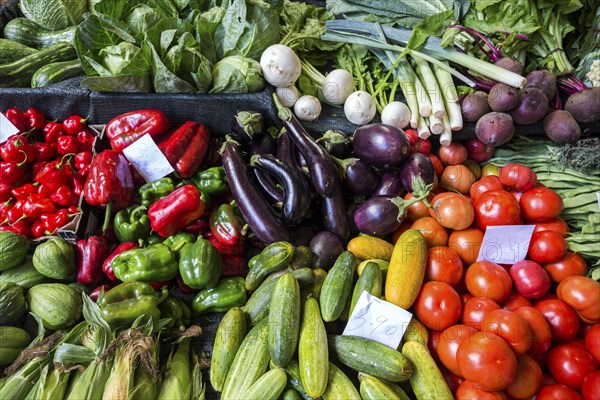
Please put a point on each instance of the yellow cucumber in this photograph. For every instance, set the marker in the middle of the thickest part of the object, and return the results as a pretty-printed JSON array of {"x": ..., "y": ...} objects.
[
  {"x": 293, "y": 373},
  {"x": 313, "y": 354},
  {"x": 339, "y": 386},
  {"x": 337, "y": 287},
  {"x": 365, "y": 247},
  {"x": 383, "y": 265},
  {"x": 427, "y": 381},
  {"x": 372, "y": 388},
  {"x": 267, "y": 387},
  {"x": 230, "y": 334},
  {"x": 284, "y": 320},
  {"x": 370, "y": 280}
]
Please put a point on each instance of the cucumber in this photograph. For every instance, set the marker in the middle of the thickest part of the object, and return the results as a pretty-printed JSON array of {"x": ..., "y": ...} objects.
[
  {"x": 313, "y": 354},
  {"x": 27, "y": 32},
  {"x": 229, "y": 337},
  {"x": 370, "y": 280},
  {"x": 427, "y": 381},
  {"x": 249, "y": 364},
  {"x": 372, "y": 388},
  {"x": 370, "y": 357},
  {"x": 12, "y": 51},
  {"x": 56, "y": 72},
  {"x": 416, "y": 331},
  {"x": 337, "y": 286},
  {"x": 383, "y": 265},
  {"x": 303, "y": 257},
  {"x": 291, "y": 394},
  {"x": 314, "y": 290},
  {"x": 267, "y": 387},
  {"x": 273, "y": 258},
  {"x": 294, "y": 381},
  {"x": 339, "y": 386},
  {"x": 284, "y": 320}
]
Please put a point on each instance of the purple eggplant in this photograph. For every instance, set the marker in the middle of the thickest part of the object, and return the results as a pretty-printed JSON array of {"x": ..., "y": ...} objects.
[
  {"x": 390, "y": 184},
  {"x": 263, "y": 145},
  {"x": 327, "y": 247},
  {"x": 286, "y": 150},
  {"x": 380, "y": 145},
  {"x": 333, "y": 211},
  {"x": 416, "y": 165},
  {"x": 270, "y": 188},
  {"x": 302, "y": 235},
  {"x": 336, "y": 143},
  {"x": 247, "y": 126},
  {"x": 358, "y": 176}
]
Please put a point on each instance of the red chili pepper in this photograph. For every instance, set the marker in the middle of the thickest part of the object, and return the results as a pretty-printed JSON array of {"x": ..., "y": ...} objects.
[
  {"x": 185, "y": 289},
  {"x": 198, "y": 227},
  {"x": 233, "y": 266},
  {"x": 35, "y": 119},
  {"x": 4, "y": 207},
  {"x": 107, "y": 267},
  {"x": 83, "y": 159},
  {"x": 74, "y": 124},
  {"x": 37, "y": 167},
  {"x": 15, "y": 213},
  {"x": 45, "y": 191},
  {"x": 17, "y": 149},
  {"x": 17, "y": 118},
  {"x": 20, "y": 227},
  {"x": 5, "y": 193},
  {"x": 56, "y": 173},
  {"x": 23, "y": 192},
  {"x": 58, "y": 219},
  {"x": 224, "y": 249},
  {"x": 67, "y": 145},
  {"x": 77, "y": 184},
  {"x": 52, "y": 131},
  {"x": 38, "y": 229},
  {"x": 43, "y": 151},
  {"x": 64, "y": 197},
  {"x": 90, "y": 255},
  {"x": 94, "y": 294},
  {"x": 86, "y": 140},
  {"x": 186, "y": 147},
  {"x": 174, "y": 212},
  {"x": 129, "y": 127},
  {"x": 11, "y": 172},
  {"x": 36, "y": 205}
]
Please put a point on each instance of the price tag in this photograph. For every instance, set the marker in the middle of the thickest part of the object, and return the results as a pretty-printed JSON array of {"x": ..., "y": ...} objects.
[
  {"x": 147, "y": 158},
  {"x": 377, "y": 320},
  {"x": 7, "y": 129},
  {"x": 505, "y": 244}
]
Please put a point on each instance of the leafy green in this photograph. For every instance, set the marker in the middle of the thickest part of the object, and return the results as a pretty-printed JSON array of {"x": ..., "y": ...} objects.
[
  {"x": 140, "y": 19},
  {"x": 230, "y": 30},
  {"x": 237, "y": 74},
  {"x": 206, "y": 28},
  {"x": 433, "y": 25},
  {"x": 54, "y": 14}
]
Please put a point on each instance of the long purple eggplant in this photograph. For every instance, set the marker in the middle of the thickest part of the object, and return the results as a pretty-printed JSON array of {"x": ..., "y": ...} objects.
[
  {"x": 266, "y": 183},
  {"x": 322, "y": 169},
  {"x": 256, "y": 211},
  {"x": 358, "y": 176},
  {"x": 333, "y": 210}
]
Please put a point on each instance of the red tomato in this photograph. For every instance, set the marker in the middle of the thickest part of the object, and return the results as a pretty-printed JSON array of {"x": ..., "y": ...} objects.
[
  {"x": 510, "y": 327},
  {"x": 590, "y": 388},
  {"x": 466, "y": 243},
  {"x": 468, "y": 391},
  {"x": 487, "y": 361},
  {"x": 515, "y": 300},
  {"x": 583, "y": 294},
  {"x": 547, "y": 379},
  {"x": 452, "y": 210},
  {"x": 433, "y": 232},
  {"x": 572, "y": 264},
  {"x": 437, "y": 306},
  {"x": 457, "y": 177},
  {"x": 453, "y": 381},
  {"x": 485, "y": 184},
  {"x": 418, "y": 209},
  {"x": 518, "y": 177},
  {"x": 557, "y": 392},
  {"x": 528, "y": 380},
  {"x": 540, "y": 204},
  {"x": 563, "y": 320},
  {"x": 464, "y": 297},
  {"x": 592, "y": 341},
  {"x": 496, "y": 207},
  {"x": 547, "y": 247},
  {"x": 488, "y": 279},
  {"x": 478, "y": 151},
  {"x": 557, "y": 225},
  {"x": 570, "y": 362},
  {"x": 476, "y": 309},
  {"x": 450, "y": 339},
  {"x": 530, "y": 279},
  {"x": 454, "y": 153},
  {"x": 443, "y": 265},
  {"x": 438, "y": 167},
  {"x": 432, "y": 344},
  {"x": 541, "y": 336}
]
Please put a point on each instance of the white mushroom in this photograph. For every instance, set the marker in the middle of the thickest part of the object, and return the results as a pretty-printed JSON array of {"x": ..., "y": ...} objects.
[
  {"x": 396, "y": 114},
  {"x": 307, "y": 108},
  {"x": 280, "y": 65},
  {"x": 360, "y": 108},
  {"x": 337, "y": 86},
  {"x": 288, "y": 95}
]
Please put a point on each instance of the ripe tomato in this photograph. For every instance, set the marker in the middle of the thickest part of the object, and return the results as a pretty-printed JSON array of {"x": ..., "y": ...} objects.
[
  {"x": 510, "y": 327},
  {"x": 466, "y": 243},
  {"x": 570, "y": 362},
  {"x": 418, "y": 209},
  {"x": 488, "y": 279},
  {"x": 453, "y": 381},
  {"x": 530, "y": 279},
  {"x": 454, "y": 153},
  {"x": 450, "y": 339},
  {"x": 437, "y": 306},
  {"x": 583, "y": 294},
  {"x": 438, "y": 167},
  {"x": 468, "y": 391},
  {"x": 528, "y": 380},
  {"x": 540, "y": 204},
  {"x": 485, "y": 184},
  {"x": 433, "y": 232},
  {"x": 515, "y": 300},
  {"x": 518, "y": 177},
  {"x": 432, "y": 344},
  {"x": 541, "y": 336},
  {"x": 473, "y": 167},
  {"x": 476, "y": 309},
  {"x": 590, "y": 388},
  {"x": 452, "y": 210},
  {"x": 478, "y": 151},
  {"x": 487, "y": 361},
  {"x": 563, "y": 320},
  {"x": 457, "y": 177},
  {"x": 496, "y": 207},
  {"x": 547, "y": 247},
  {"x": 443, "y": 265},
  {"x": 572, "y": 264},
  {"x": 557, "y": 225},
  {"x": 404, "y": 226},
  {"x": 557, "y": 392},
  {"x": 592, "y": 341}
]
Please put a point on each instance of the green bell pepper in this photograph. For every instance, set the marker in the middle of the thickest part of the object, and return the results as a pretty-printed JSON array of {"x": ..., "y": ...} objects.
[
  {"x": 153, "y": 239},
  {"x": 229, "y": 293},
  {"x": 200, "y": 264},
  {"x": 124, "y": 303},
  {"x": 179, "y": 313},
  {"x": 156, "y": 263},
  {"x": 178, "y": 241},
  {"x": 153, "y": 191},
  {"x": 211, "y": 181},
  {"x": 132, "y": 224}
]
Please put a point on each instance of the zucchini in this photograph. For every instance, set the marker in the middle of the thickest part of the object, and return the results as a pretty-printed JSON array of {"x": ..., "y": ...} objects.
[
  {"x": 291, "y": 394},
  {"x": 407, "y": 269},
  {"x": 337, "y": 286},
  {"x": 27, "y": 32},
  {"x": 273, "y": 258},
  {"x": 370, "y": 280},
  {"x": 19, "y": 73},
  {"x": 366, "y": 247},
  {"x": 229, "y": 337},
  {"x": 267, "y": 387},
  {"x": 284, "y": 320},
  {"x": 313, "y": 354},
  {"x": 370, "y": 357},
  {"x": 12, "y": 51},
  {"x": 427, "y": 382},
  {"x": 339, "y": 386},
  {"x": 372, "y": 388},
  {"x": 56, "y": 72}
]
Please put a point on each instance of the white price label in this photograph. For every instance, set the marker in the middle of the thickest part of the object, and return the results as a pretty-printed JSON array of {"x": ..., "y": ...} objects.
[
  {"x": 147, "y": 159},
  {"x": 375, "y": 319},
  {"x": 7, "y": 129},
  {"x": 505, "y": 244}
]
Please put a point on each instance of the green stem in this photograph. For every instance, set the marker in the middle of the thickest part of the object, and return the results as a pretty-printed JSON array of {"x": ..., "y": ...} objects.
[{"x": 107, "y": 213}]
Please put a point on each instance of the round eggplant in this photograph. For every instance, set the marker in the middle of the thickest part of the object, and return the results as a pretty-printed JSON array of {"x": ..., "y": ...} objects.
[
  {"x": 379, "y": 215},
  {"x": 381, "y": 145},
  {"x": 336, "y": 143},
  {"x": 247, "y": 126},
  {"x": 327, "y": 247},
  {"x": 416, "y": 165},
  {"x": 390, "y": 184},
  {"x": 358, "y": 176}
]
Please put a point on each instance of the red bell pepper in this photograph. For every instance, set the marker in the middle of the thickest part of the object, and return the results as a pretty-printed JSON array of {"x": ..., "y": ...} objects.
[
  {"x": 197, "y": 227},
  {"x": 74, "y": 124},
  {"x": 226, "y": 226},
  {"x": 86, "y": 140},
  {"x": 177, "y": 210},
  {"x": 44, "y": 190},
  {"x": 56, "y": 173},
  {"x": 233, "y": 265},
  {"x": 18, "y": 149},
  {"x": 107, "y": 264},
  {"x": 83, "y": 159},
  {"x": 11, "y": 172},
  {"x": 64, "y": 197},
  {"x": 52, "y": 131},
  {"x": 95, "y": 293},
  {"x": 5, "y": 193},
  {"x": 36, "y": 205},
  {"x": 126, "y": 128},
  {"x": 109, "y": 183},
  {"x": 67, "y": 145},
  {"x": 90, "y": 255},
  {"x": 20, "y": 227},
  {"x": 185, "y": 289},
  {"x": 35, "y": 119},
  {"x": 43, "y": 151},
  {"x": 186, "y": 147},
  {"x": 15, "y": 213},
  {"x": 225, "y": 249},
  {"x": 17, "y": 118},
  {"x": 77, "y": 182},
  {"x": 23, "y": 192}
]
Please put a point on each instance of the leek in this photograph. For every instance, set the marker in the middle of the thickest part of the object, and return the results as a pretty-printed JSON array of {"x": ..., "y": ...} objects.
[
  {"x": 430, "y": 83},
  {"x": 450, "y": 96}
]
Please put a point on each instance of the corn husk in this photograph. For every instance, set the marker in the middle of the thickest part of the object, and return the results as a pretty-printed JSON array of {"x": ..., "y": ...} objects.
[
  {"x": 56, "y": 385},
  {"x": 198, "y": 386},
  {"x": 147, "y": 377},
  {"x": 177, "y": 382}
]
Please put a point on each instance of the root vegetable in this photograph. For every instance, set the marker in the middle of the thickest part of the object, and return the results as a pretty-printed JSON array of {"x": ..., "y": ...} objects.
[
  {"x": 503, "y": 97},
  {"x": 510, "y": 64},
  {"x": 396, "y": 114},
  {"x": 532, "y": 107},
  {"x": 495, "y": 129},
  {"x": 360, "y": 108},
  {"x": 280, "y": 65},
  {"x": 288, "y": 95},
  {"x": 474, "y": 106},
  {"x": 307, "y": 108},
  {"x": 585, "y": 105},
  {"x": 543, "y": 80},
  {"x": 561, "y": 127},
  {"x": 337, "y": 86}
]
